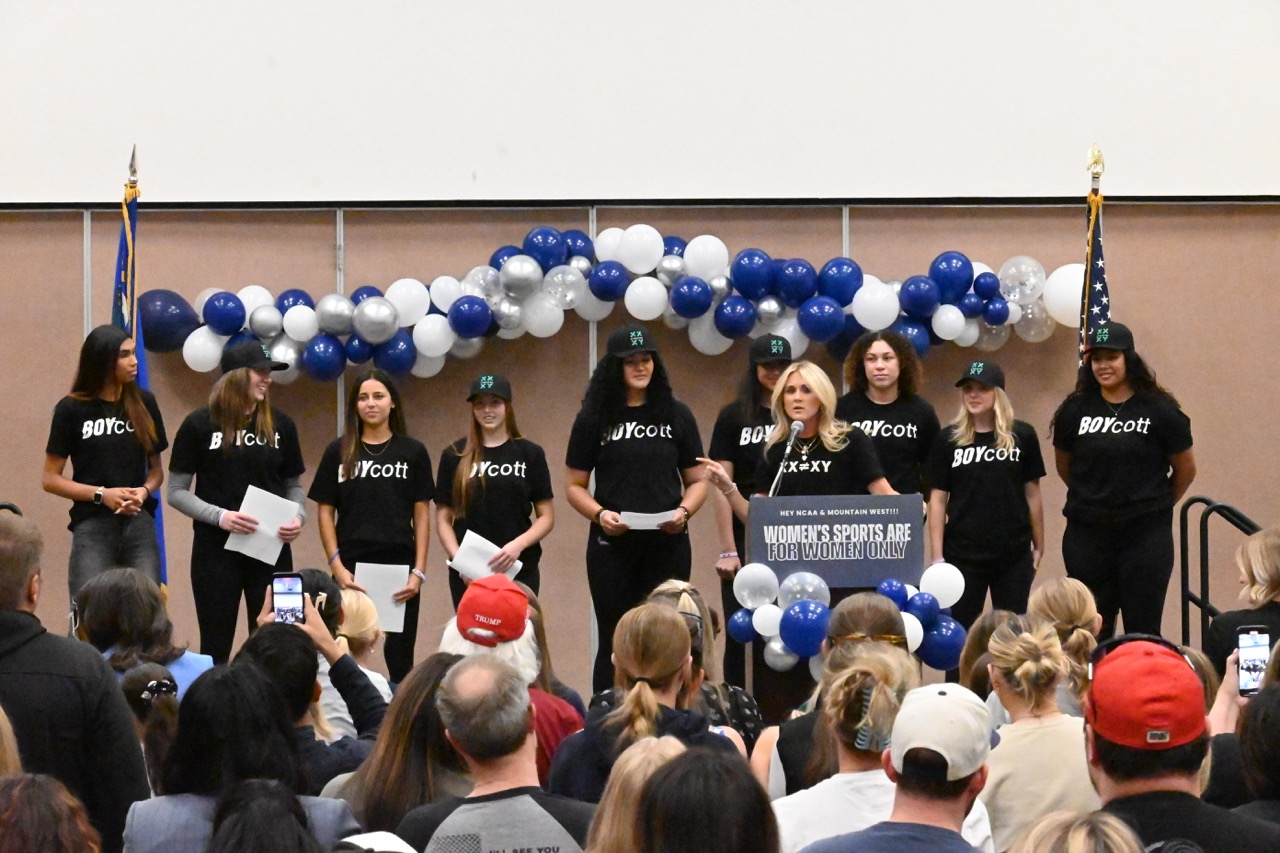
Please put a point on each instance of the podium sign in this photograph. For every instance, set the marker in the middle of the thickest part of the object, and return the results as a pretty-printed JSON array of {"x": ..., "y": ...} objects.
[{"x": 847, "y": 540}]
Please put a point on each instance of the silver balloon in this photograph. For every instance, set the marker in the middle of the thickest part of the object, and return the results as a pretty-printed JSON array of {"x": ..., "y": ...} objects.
[
  {"x": 778, "y": 656},
  {"x": 670, "y": 270},
  {"x": 466, "y": 347},
  {"x": 266, "y": 322},
  {"x": 720, "y": 287},
  {"x": 286, "y": 349},
  {"x": 520, "y": 276},
  {"x": 769, "y": 311},
  {"x": 376, "y": 320},
  {"x": 335, "y": 312},
  {"x": 508, "y": 313},
  {"x": 582, "y": 265},
  {"x": 672, "y": 320}
]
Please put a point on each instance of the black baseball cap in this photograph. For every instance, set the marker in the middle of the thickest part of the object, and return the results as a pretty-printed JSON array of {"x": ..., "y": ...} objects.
[
  {"x": 251, "y": 354},
  {"x": 629, "y": 340},
  {"x": 490, "y": 383},
  {"x": 767, "y": 348},
  {"x": 986, "y": 373},
  {"x": 1111, "y": 336}
]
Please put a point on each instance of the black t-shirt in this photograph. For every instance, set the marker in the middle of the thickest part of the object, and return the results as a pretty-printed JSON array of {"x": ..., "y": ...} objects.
[
  {"x": 1119, "y": 454},
  {"x": 224, "y": 471},
  {"x": 638, "y": 460},
  {"x": 742, "y": 443},
  {"x": 1173, "y": 821},
  {"x": 819, "y": 471},
  {"x": 503, "y": 489},
  {"x": 987, "y": 512},
  {"x": 902, "y": 433},
  {"x": 375, "y": 504},
  {"x": 98, "y": 438}
]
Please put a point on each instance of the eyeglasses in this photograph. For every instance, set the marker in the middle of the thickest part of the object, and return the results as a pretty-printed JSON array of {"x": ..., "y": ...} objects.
[{"x": 1108, "y": 646}]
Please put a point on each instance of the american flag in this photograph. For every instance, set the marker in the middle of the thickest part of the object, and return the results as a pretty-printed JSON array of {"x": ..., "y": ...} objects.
[{"x": 1095, "y": 300}]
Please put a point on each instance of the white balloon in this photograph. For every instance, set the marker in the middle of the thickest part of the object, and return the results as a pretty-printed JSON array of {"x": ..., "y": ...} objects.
[
  {"x": 251, "y": 297},
  {"x": 592, "y": 309},
  {"x": 969, "y": 336},
  {"x": 914, "y": 631},
  {"x": 542, "y": 317},
  {"x": 911, "y": 590},
  {"x": 816, "y": 664},
  {"x": 944, "y": 582},
  {"x": 411, "y": 299},
  {"x": 432, "y": 336},
  {"x": 640, "y": 248},
  {"x": 766, "y": 619},
  {"x": 301, "y": 324},
  {"x": 202, "y": 350},
  {"x": 706, "y": 257},
  {"x": 645, "y": 298},
  {"x": 755, "y": 585},
  {"x": 789, "y": 327},
  {"x": 1064, "y": 293},
  {"x": 203, "y": 296},
  {"x": 1015, "y": 313},
  {"x": 607, "y": 243},
  {"x": 778, "y": 657},
  {"x": 875, "y": 307},
  {"x": 979, "y": 268},
  {"x": 426, "y": 366},
  {"x": 948, "y": 322},
  {"x": 445, "y": 291},
  {"x": 512, "y": 334},
  {"x": 706, "y": 338}
]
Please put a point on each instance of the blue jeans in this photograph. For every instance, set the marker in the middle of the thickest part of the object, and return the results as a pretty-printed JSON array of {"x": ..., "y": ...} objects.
[{"x": 107, "y": 541}]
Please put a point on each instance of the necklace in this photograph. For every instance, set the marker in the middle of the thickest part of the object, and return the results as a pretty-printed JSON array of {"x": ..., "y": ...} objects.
[
  {"x": 1115, "y": 410},
  {"x": 370, "y": 451},
  {"x": 806, "y": 449}
]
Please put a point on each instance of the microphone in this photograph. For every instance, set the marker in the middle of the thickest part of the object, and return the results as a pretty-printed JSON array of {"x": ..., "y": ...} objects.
[{"x": 796, "y": 427}]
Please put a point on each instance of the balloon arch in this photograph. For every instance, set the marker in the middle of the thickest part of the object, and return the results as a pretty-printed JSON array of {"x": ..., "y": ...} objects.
[{"x": 413, "y": 327}]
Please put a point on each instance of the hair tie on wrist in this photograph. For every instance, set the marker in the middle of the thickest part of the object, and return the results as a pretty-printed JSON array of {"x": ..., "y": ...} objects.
[{"x": 334, "y": 555}]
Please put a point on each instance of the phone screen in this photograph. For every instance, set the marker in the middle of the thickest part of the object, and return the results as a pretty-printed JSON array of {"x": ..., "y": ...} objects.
[
  {"x": 1254, "y": 647},
  {"x": 286, "y": 597}
]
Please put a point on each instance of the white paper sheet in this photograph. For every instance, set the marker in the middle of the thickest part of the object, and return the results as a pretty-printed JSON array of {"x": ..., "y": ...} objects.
[
  {"x": 272, "y": 512},
  {"x": 646, "y": 520},
  {"x": 380, "y": 582},
  {"x": 474, "y": 553}
]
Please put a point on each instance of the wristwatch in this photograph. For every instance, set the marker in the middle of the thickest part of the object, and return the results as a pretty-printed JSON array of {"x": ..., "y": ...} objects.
[{"x": 97, "y": 496}]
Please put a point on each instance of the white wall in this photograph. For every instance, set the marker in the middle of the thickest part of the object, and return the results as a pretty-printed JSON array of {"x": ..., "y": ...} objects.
[{"x": 399, "y": 100}]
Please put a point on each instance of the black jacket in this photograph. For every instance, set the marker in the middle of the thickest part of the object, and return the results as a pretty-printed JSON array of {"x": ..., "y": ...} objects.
[
  {"x": 71, "y": 720},
  {"x": 323, "y": 761}
]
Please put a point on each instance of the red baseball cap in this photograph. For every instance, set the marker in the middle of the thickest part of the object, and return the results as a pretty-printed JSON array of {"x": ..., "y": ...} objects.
[
  {"x": 493, "y": 610},
  {"x": 1145, "y": 696}
]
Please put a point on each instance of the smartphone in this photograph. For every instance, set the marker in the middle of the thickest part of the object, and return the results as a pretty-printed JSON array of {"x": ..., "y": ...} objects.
[
  {"x": 286, "y": 597},
  {"x": 1254, "y": 644}
]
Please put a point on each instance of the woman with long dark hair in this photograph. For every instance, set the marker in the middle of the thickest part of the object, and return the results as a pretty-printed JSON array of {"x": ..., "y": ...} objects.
[
  {"x": 643, "y": 446},
  {"x": 112, "y": 432},
  {"x": 884, "y": 371},
  {"x": 1123, "y": 447},
  {"x": 374, "y": 489},
  {"x": 238, "y": 440},
  {"x": 490, "y": 481},
  {"x": 737, "y": 444}
]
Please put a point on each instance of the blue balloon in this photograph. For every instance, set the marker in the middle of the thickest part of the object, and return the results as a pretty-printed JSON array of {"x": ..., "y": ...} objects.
[
  {"x": 740, "y": 627},
  {"x": 971, "y": 305},
  {"x": 776, "y": 266},
  {"x": 840, "y": 279},
  {"x": 398, "y": 355},
  {"x": 804, "y": 627},
  {"x": 796, "y": 281},
  {"x": 673, "y": 246},
  {"x": 324, "y": 357},
  {"x": 840, "y": 345},
  {"x": 986, "y": 285},
  {"x": 917, "y": 333},
  {"x": 919, "y": 297},
  {"x": 358, "y": 350},
  {"x": 822, "y": 319},
  {"x": 167, "y": 320},
  {"x": 469, "y": 316},
  {"x": 691, "y": 297},
  {"x": 609, "y": 281},
  {"x": 752, "y": 273},
  {"x": 942, "y": 643},
  {"x": 224, "y": 312},
  {"x": 923, "y": 606},
  {"x": 546, "y": 246},
  {"x": 735, "y": 316},
  {"x": 363, "y": 293},
  {"x": 894, "y": 590},
  {"x": 996, "y": 311},
  {"x": 499, "y": 257},
  {"x": 294, "y": 296},
  {"x": 579, "y": 244},
  {"x": 953, "y": 273},
  {"x": 236, "y": 339}
]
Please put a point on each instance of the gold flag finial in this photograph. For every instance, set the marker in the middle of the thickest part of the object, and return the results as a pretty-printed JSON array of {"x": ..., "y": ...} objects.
[
  {"x": 1096, "y": 164},
  {"x": 133, "y": 167}
]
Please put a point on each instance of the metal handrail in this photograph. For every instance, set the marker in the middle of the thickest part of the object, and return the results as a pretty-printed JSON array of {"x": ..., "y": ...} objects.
[{"x": 1212, "y": 508}]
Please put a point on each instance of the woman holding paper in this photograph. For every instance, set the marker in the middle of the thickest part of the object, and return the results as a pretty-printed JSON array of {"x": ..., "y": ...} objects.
[
  {"x": 374, "y": 488},
  {"x": 643, "y": 446},
  {"x": 236, "y": 442},
  {"x": 489, "y": 483}
]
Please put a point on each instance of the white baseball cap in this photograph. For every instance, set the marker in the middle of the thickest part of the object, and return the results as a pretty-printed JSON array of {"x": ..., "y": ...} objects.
[{"x": 948, "y": 719}]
